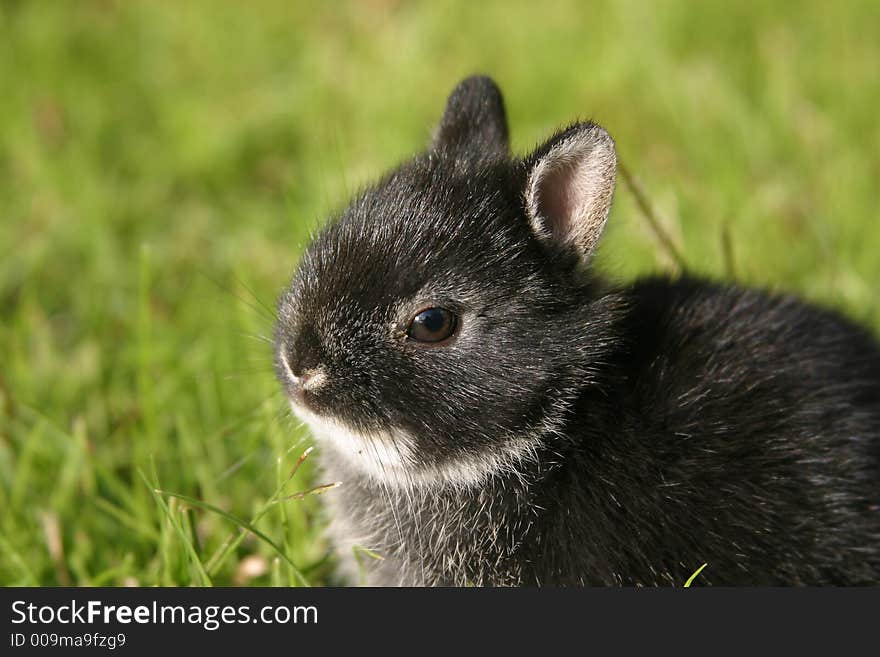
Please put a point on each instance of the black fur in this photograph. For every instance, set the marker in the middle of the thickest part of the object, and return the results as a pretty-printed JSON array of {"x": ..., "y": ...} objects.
[{"x": 676, "y": 422}]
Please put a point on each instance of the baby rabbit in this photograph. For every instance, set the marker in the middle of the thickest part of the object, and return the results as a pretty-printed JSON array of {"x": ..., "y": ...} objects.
[{"x": 500, "y": 415}]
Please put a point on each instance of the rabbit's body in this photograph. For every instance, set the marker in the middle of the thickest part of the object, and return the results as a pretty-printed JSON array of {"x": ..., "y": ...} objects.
[
  {"x": 500, "y": 416},
  {"x": 680, "y": 457}
]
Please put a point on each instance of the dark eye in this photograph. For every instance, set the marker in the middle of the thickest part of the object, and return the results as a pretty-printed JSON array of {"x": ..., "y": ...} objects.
[{"x": 432, "y": 325}]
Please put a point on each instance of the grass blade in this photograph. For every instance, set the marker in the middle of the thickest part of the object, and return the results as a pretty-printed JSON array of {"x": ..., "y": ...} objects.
[
  {"x": 197, "y": 562},
  {"x": 691, "y": 579},
  {"x": 240, "y": 523}
]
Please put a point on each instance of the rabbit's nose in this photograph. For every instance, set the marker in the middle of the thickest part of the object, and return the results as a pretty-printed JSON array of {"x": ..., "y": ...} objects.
[
  {"x": 303, "y": 376},
  {"x": 311, "y": 379},
  {"x": 305, "y": 352},
  {"x": 303, "y": 359},
  {"x": 302, "y": 364}
]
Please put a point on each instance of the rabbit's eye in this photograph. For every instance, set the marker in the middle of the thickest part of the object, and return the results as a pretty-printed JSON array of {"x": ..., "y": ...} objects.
[{"x": 432, "y": 325}]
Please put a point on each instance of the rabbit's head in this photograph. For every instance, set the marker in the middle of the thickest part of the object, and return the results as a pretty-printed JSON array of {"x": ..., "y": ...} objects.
[{"x": 437, "y": 328}]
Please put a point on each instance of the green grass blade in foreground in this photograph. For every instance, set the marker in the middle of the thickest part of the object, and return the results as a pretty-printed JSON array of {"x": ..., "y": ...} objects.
[
  {"x": 359, "y": 551},
  {"x": 181, "y": 533},
  {"x": 233, "y": 541},
  {"x": 241, "y": 523},
  {"x": 691, "y": 579}
]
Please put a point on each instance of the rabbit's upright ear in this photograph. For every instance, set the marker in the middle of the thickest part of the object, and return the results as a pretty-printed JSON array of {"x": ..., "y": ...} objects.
[
  {"x": 474, "y": 124},
  {"x": 570, "y": 187}
]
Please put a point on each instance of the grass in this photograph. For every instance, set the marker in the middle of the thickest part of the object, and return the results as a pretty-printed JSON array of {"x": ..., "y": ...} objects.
[
  {"x": 162, "y": 163},
  {"x": 690, "y": 580}
]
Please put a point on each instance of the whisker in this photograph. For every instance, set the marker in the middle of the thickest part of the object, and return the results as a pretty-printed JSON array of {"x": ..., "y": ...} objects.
[
  {"x": 407, "y": 490},
  {"x": 232, "y": 469},
  {"x": 383, "y": 485},
  {"x": 261, "y": 311},
  {"x": 270, "y": 311},
  {"x": 258, "y": 337}
]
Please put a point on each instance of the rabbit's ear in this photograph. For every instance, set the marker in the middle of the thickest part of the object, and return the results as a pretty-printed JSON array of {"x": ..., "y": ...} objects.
[
  {"x": 570, "y": 187},
  {"x": 474, "y": 124}
]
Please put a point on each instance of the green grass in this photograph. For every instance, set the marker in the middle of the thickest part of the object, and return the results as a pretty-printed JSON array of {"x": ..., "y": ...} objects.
[
  {"x": 161, "y": 164},
  {"x": 690, "y": 580}
]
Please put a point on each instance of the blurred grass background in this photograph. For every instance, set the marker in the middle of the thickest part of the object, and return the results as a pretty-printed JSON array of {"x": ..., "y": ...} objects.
[{"x": 161, "y": 164}]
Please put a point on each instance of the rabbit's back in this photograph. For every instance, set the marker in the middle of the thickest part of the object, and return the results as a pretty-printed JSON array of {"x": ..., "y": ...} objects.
[{"x": 744, "y": 432}]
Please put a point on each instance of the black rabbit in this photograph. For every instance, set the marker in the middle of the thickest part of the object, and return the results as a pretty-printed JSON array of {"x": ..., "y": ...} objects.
[{"x": 500, "y": 415}]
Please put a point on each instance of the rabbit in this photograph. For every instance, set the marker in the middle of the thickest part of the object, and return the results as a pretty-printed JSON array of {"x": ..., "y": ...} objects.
[{"x": 499, "y": 414}]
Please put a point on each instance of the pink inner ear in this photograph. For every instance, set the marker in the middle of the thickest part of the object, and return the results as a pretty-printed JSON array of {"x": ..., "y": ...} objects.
[
  {"x": 560, "y": 198},
  {"x": 570, "y": 192}
]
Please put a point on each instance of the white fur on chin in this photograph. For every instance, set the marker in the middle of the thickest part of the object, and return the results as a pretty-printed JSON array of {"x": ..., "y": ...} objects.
[{"x": 390, "y": 457}]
